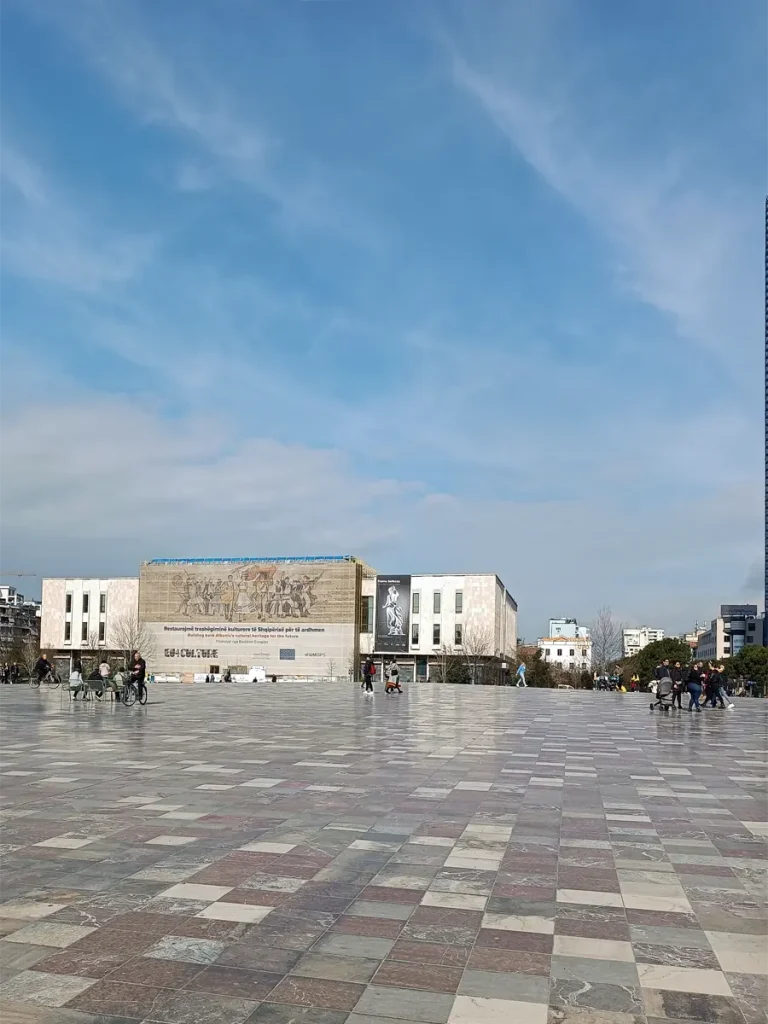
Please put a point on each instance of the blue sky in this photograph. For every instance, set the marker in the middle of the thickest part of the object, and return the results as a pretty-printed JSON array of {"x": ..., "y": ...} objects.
[{"x": 452, "y": 286}]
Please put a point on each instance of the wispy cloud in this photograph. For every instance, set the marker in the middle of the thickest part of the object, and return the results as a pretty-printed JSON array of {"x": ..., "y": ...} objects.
[
  {"x": 232, "y": 138},
  {"x": 681, "y": 243},
  {"x": 48, "y": 238}
]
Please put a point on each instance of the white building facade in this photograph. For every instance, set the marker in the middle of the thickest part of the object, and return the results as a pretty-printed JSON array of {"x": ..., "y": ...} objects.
[
  {"x": 571, "y": 653},
  {"x": 81, "y": 614},
  {"x": 469, "y": 614},
  {"x": 635, "y": 639}
]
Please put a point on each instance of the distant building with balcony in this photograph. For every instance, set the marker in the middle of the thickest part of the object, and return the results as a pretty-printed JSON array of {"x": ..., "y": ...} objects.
[
  {"x": 636, "y": 638},
  {"x": 19, "y": 620}
]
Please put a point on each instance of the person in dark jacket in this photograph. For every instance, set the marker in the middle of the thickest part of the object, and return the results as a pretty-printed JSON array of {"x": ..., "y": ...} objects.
[
  {"x": 677, "y": 685},
  {"x": 716, "y": 687},
  {"x": 42, "y": 668},
  {"x": 664, "y": 670},
  {"x": 369, "y": 670}
]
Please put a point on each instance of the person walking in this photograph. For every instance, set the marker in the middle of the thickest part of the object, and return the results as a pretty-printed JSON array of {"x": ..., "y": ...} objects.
[
  {"x": 393, "y": 678},
  {"x": 694, "y": 686},
  {"x": 139, "y": 674},
  {"x": 717, "y": 691},
  {"x": 709, "y": 697},
  {"x": 677, "y": 685},
  {"x": 663, "y": 670},
  {"x": 520, "y": 674},
  {"x": 369, "y": 670}
]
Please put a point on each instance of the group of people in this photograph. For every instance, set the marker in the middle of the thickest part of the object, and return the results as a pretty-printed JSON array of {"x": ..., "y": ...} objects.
[
  {"x": 101, "y": 675},
  {"x": 698, "y": 681},
  {"x": 10, "y": 673},
  {"x": 614, "y": 682},
  {"x": 391, "y": 674}
]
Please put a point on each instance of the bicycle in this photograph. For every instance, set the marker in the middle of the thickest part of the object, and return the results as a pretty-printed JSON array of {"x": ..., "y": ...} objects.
[
  {"x": 51, "y": 679},
  {"x": 133, "y": 691}
]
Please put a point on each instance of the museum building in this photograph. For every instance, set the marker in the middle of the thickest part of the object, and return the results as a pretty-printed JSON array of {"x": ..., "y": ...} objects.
[{"x": 306, "y": 617}]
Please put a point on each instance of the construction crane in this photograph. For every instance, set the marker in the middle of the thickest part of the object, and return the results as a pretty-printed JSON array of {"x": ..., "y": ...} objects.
[{"x": 13, "y": 572}]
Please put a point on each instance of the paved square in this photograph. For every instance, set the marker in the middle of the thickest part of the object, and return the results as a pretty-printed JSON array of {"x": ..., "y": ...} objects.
[{"x": 453, "y": 854}]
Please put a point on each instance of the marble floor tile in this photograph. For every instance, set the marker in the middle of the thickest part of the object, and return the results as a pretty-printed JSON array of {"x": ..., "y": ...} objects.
[
  {"x": 739, "y": 954},
  {"x": 48, "y": 933},
  {"x": 478, "y": 1010},
  {"x": 683, "y": 979},
  {"x": 43, "y": 989},
  {"x": 243, "y": 912},
  {"x": 479, "y": 854}
]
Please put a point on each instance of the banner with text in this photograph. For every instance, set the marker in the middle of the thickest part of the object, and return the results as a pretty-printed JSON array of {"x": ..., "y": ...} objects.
[
  {"x": 393, "y": 602},
  {"x": 316, "y": 650}
]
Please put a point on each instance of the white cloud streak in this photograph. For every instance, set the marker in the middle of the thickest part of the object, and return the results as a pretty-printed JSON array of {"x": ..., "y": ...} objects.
[
  {"x": 47, "y": 238},
  {"x": 195, "y": 106},
  {"x": 680, "y": 245}
]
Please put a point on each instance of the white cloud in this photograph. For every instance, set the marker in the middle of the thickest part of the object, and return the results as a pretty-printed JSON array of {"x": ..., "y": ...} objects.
[
  {"x": 94, "y": 484},
  {"x": 113, "y": 471}
]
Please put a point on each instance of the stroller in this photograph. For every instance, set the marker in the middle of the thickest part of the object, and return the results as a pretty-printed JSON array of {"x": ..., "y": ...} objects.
[{"x": 664, "y": 694}]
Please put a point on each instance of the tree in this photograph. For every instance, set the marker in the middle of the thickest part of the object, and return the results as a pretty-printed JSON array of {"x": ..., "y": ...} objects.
[
  {"x": 331, "y": 669},
  {"x": 29, "y": 652},
  {"x": 451, "y": 667},
  {"x": 539, "y": 671},
  {"x": 91, "y": 659},
  {"x": 607, "y": 637},
  {"x": 645, "y": 661},
  {"x": 129, "y": 634},
  {"x": 752, "y": 664},
  {"x": 477, "y": 647}
]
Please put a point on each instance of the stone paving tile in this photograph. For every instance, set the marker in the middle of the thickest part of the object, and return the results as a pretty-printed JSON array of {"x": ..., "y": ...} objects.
[{"x": 466, "y": 855}]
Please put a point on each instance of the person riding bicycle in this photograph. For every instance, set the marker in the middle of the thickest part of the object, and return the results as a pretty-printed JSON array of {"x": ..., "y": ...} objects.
[
  {"x": 42, "y": 668},
  {"x": 138, "y": 674}
]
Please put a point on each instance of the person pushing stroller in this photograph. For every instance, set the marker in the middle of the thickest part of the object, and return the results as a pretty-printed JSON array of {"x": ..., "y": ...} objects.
[
  {"x": 393, "y": 678},
  {"x": 664, "y": 687}
]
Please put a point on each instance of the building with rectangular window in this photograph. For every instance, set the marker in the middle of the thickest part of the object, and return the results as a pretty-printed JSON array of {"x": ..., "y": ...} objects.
[
  {"x": 571, "y": 653},
  {"x": 636, "y": 638},
  {"x": 81, "y": 615},
  {"x": 422, "y": 619},
  {"x": 19, "y": 622},
  {"x": 307, "y": 617},
  {"x": 736, "y": 627}
]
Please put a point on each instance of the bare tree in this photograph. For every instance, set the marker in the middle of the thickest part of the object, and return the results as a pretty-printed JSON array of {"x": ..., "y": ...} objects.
[
  {"x": 91, "y": 645},
  {"x": 607, "y": 637},
  {"x": 29, "y": 653},
  {"x": 129, "y": 634},
  {"x": 444, "y": 653},
  {"x": 331, "y": 669},
  {"x": 477, "y": 647}
]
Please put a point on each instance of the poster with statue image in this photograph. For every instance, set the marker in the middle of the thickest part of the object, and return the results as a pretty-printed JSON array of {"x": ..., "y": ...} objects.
[{"x": 393, "y": 601}]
